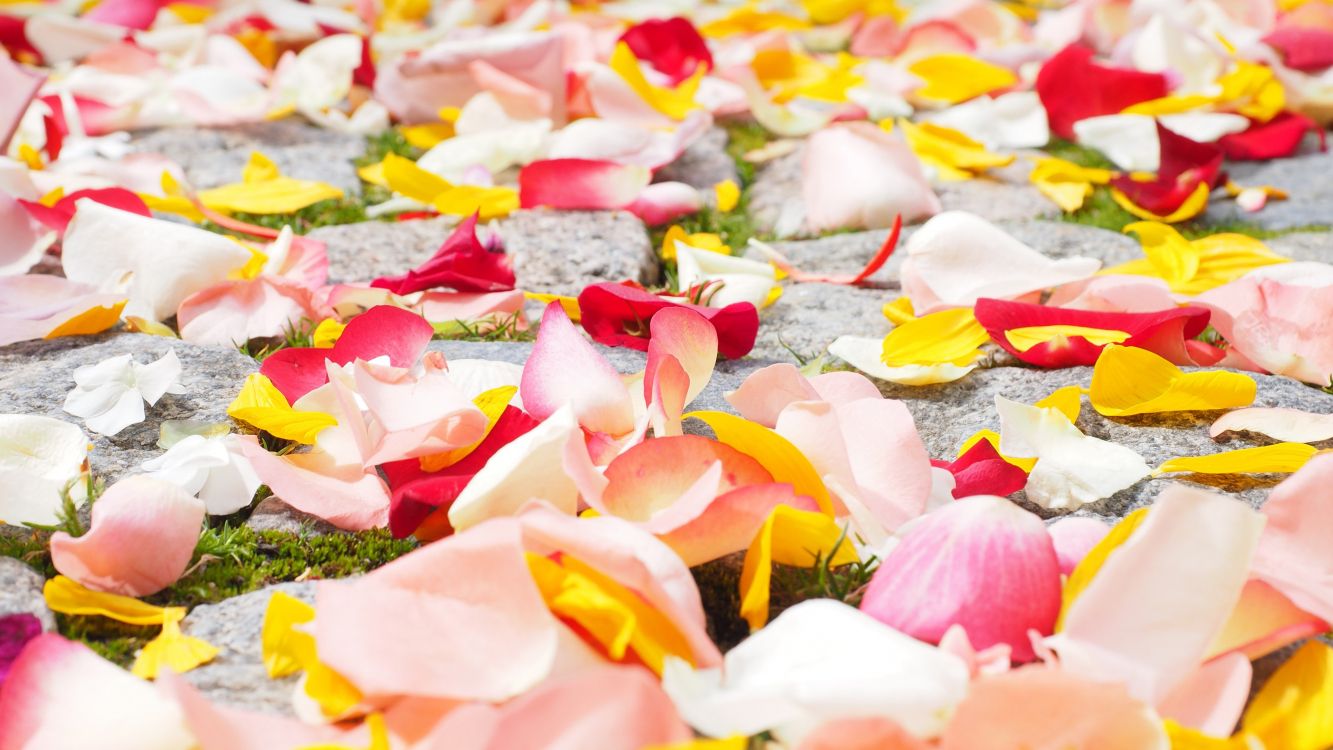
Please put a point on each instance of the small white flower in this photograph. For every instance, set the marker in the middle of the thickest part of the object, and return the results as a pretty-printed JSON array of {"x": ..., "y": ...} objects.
[
  {"x": 213, "y": 468},
  {"x": 109, "y": 396}
]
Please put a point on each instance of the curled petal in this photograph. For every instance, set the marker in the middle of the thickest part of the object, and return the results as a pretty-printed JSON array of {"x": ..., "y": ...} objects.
[
  {"x": 564, "y": 369},
  {"x": 577, "y": 184}
]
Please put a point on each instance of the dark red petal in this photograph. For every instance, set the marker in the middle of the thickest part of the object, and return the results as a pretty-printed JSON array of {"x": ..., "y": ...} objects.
[
  {"x": 1278, "y": 138},
  {"x": 1182, "y": 157},
  {"x": 364, "y": 75},
  {"x": 619, "y": 315},
  {"x": 461, "y": 263},
  {"x": 672, "y": 46},
  {"x": 1308, "y": 50},
  {"x": 1072, "y": 87},
  {"x": 14, "y": 38}
]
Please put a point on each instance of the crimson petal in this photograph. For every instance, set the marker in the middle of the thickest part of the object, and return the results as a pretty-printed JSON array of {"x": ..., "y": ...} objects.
[
  {"x": 15, "y": 632},
  {"x": 672, "y": 46},
  {"x": 981, "y": 470},
  {"x": 462, "y": 264},
  {"x": 619, "y": 315},
  {"x": 1276, "y": 139},
  {"x": 57, "y": 216},
  {"x": 1072, "y": 87}
]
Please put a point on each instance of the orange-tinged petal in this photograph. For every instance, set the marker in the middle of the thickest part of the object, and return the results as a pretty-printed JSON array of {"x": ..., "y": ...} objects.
[
  {"x": 1294, "y": 709},
  {"x": 261, "y": 405},
  {"x": 791, "y": 537},
  {"x": 1264, "y": 621},
  {"x": 1265, "y": 459},
  {"x": 1127, "y": 380},
  {"x": 67, "y": 597},
  {"x": 492, "y": 403},
  {"x": 172, "y": 650},
  {"x": 949, "y": 336},
  {"x": 90, "y": 321},
  {"x": 775, "y": 453}
]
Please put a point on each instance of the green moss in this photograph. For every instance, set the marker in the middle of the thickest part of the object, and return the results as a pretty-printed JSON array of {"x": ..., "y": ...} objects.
[
  {"x": 744, "y": 136},
  {"x": 507, "y": 329},
  {"x": 390, "y": 141},
  {"x": 29, "y": 547},
  {"x": 1080, "y": 155}
]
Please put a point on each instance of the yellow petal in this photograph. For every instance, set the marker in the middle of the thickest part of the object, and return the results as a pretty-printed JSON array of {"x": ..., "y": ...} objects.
[
  {"x": 492, "y": 403},
  {"x": 728, "y": 195},
  {"x": 135, "y": 324},
  {"x": 1194, "y": 267},
  {"x": 1096, "y": 557},
  {"x": 825, "y": 12},
  {"x": 52, "y": 198},
  {"x": 747, "y": 19},
  {"x": 774, "y": 452},
  {"x": 190, "y": 13},
  {"x": 68, "y": 597},
  {"x": 326, "y": 333},
  {"x": 1279, "y": 458},
  {"x": 960, "y": 156},
  {"x": 488, "y": 202},
  {"x": 793, "y": 537},
  {"x": 379, "y": 737},
  {"x": 427, "y": 136},
  {"x": 570, "y": 304},
  {"x": 281, "y": 195},
  {"x": 1068, "y": 401},
  {"x": 406, "y": 178},
  {"x": 1025, "y": 338},
  {"x": 954, "y": 78},
  {"x": 374, "y": 174},
  {"x": 899, "y": 311},
  {"x": 1186, "y": 738},
  {"x": 260, "y": 168},
  {"x": 261, "y": 405},
  {"x": 949, "y": 336},
  {"x": 1294, "y": 709},
  {"x": 90, "y": 321},
  {"x": 1127, "y": 380},
  {"x": 1169, "y": 105},
  {"x": 172, "y": 650},
  {"x": 675, "y": 103},
  {"x": 1067, "y": 184},
  {"x": 617, "y": 618},
  {"x": 1193, "y": 206},
  {"x": 735, "y": 742},
  {"x": 284, "y": 649}
]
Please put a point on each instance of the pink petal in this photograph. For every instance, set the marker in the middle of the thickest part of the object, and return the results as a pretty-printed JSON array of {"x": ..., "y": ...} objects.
[
  {"x": 1294, "y": 555},
  {"x": 730, "y": 521},
  {"x": 664, "y": 202},
  {"x": 857, "y": 176},
  {"x": 141, "y": 540},
  {"x": 1074, "y": 537},
  {"x": 236, "y": 311},
  {"x": 1115, "y": 293},
  {"x": 565, "y": 369},
  {"x": 1212, "y": 698},
  {"x": 875, "y": 733},
  {"x": 20, "y": 86},
  {"x": 1149, "y": 615},
  {"x": 1264, "y": 621},
  {"x": 767, "y": 391},
  {"x": 688, "y": 337},
  {"x": 1284, "y": 324},
  {"x": 520, "y": 99},
  {"x": 414, "y": 416},
  {"x": 578, "y": 184},
  {"x": 627, "y": 142},
  {"x": 33, "y": 306},
  {"x": 132, "y": 14},
  {"x": 486, "y": 635},
  {"x": 55, "y": 679},
  {"x": 219, "y": 727},
  {"x": 346, "y": 496},
  {"x": 25, "y": 241},
  {"x": 980, "y": 562}
]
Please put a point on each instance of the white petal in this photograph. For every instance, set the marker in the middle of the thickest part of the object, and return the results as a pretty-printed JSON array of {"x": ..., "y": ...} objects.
[
  {"x": 87, "y": 403},
  {"x": 1291, "y": 425},
  {"x": 864, "y": 354},
  {"x": 156, "y": 378},
  {"x": 1128, "y": 140},
  {"x": 127, "y": 410}
]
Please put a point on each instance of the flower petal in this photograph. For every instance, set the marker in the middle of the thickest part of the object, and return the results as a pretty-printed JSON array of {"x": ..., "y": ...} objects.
[
  {"x": 1264, "y": 459},
  {"x": 565, "y": 370},
  {"x": 1127, "y": 380}
]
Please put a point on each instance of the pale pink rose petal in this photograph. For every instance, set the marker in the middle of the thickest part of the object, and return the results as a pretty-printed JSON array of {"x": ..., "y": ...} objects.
[
  {"x": 1294, "y": 555},
  {"x": 1044, "y": 708},
  {"x": 412, "y": 416},
  {"x": 34, "y": 305},
  {"x": 1264, "y": 621},
  {"x": 1283, "y": 324},
  {"x": 633, "y": 558},
  {"x": 1212, "y": 698},
  {"x": 610, "y": 97},
  {"x": 141, "y": 539},
  {"x": 415, "y": 87},
  {"x": 482, "y": 633},
  {"x": 1149, "y": 615},
  {"x": 25, "y": 240},
  {"x": 767, "y": 391},
  {"x": 875, "y": 733},
  {"x": 627, "y": 143},
  {"x": 994, "y": 660},
  {"x": 982, "y": 563},
  {"x": 520, "y": 99},
  {"x": 346, "y": 496},
  {"x": 857, "y": 176},
  {"x": 688, "y": 337},
  {"x": 234, "y": 312},
  {"x": 1074, "y": 537},
  {"x": 59, "y": 694},
  {"x": 564, "y": 368},
  {"x": 730, "y": 521},
  {"x": 1115, "y": 293},
  {"x": 666, "y": 393},
  {"x": 663, "y": 202},
  {"x": 1288, "y": 425},
  {"x": 580, "y": 184},
  {"x": 20, "y": 86},
  {"x": 842, "y": 387},
  {"x": 221, "y": 727}
]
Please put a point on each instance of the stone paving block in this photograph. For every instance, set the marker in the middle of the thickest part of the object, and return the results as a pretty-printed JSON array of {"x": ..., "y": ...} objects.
[
  {"x": 368, "y": 250},
  {"x": 1304, "y": 246},
  {"x": 21, "y": 592},
  {"x": 216, "y": 156},
  {"x": 704, "y": 164},
  {"x": 272, "y": 514},
  {"x": 808, "y": 317},
  {"x": 35, "y": 377},
  {"x": 1305, "y": 177},
  {"x": 564, "y": 251}
]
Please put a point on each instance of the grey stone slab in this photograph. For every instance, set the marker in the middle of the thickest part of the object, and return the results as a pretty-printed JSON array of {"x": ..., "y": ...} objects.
[
  {"x": 35, "y": 377},
  {"x": 216, "y": 156},
  {"x": 236, "y": 676},
  {"x": 272, "y": 514},
  {"x": 21, "y": 592},
  {"x": 370, "y": 249},
  {"x": 808, "y": 317},
  {"x": 1305, "y": 177},
  {"x": 564, "y": 251},
  {"x": 776, "y": 207},
  {"x": 1304, "y": 246},
  {"x": 704, "y": 164},
  {"x": 948, "y": 413}
]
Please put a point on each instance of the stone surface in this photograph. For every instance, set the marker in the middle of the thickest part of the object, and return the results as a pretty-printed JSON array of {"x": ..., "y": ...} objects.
[
  {"x": 947, "y": 414},
  {"x": 1304, "y": 177},
  {"x": 808, "y": 317},
  {"x": 777, "y": 208},
  {"x": 35, "y": 377},
  {"x": 1304, "y": 246},
  {"x": 564, "y": 251},
  {"x": 370, "y": 249},
  {"x": 216, "y": 156},
  {"x": 236, "y": 676},
  {"x": 272, "y": 514},
  {"x": 21, "y": 592},
  {"x": 704, "y": 164}
]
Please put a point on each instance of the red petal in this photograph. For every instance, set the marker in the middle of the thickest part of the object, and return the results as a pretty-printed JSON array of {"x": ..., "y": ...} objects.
[
  {"x": 97, "y": 117},
  {"x": 1163, "y": 333},
  {"x": 15, "y": 632},
  {"x": 619, "y": 315},
  {"x": 1072, "y": 87},
  {"x": 1182, "y": 157},
  {"x": 672, "y": 46},
  {"x": 57, "y": 217},
  {"x": 14, "y": 39},
  {"x": 1305, "y": 49},
  {"x": 461, "y": 263},
  {"x": 580, "y": 184},
  {"x": 1276, "y": 139},
  {"x": 982, "y": 471}
]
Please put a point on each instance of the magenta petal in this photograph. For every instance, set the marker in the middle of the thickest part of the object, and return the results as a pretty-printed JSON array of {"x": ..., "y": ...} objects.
[
  {"x": 461, "y": 263},
  {"x": 1074, "y": 537},
  {"x": 982, "y": 563},
  {"x": 384, "y": 331},
  {"x": 564, "y": 368},
  {"x": 15, "y": 632}
]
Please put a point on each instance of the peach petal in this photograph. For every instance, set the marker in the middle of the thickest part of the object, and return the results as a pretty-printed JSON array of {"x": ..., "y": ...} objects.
[
  {"x": 857, "y": 176},
  {"x": 730, "y": 521},
  {"x": 346, "y": 496},
  {"x": 689, "y": 337},
  {"x": 237, "y": 311},
  {"x": 141, "y": 539},
  {"x": 1211, "y": 699},
  {"x": 1293, "y": 555},
  {"x": 861, "y": 734},
  {"x": 565, "y": 369},
  {"x": 1073, "y": 537},
  {"x": 649, "y": 478},
  {"x": 1264, "y": 621},
  {"x": 219, "y": 727}
]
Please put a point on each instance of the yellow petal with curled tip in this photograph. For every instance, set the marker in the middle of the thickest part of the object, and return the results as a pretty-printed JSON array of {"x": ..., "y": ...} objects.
[
  {"x": 789, "y": 536},
  {"x": 172, "y": 650},
  {"x": 68, "y": 597},
  {"x": 899, "y": 311},
  {"x": 261, "y": 405},
  {"x": 1127, "y": 380},
  {"x": 1294, "y": 709},
  {"x": 1068, "y": 400},
  {"x": 951, "y": 150},
  {"x": 1193, "y": 206},
  {"x": 1279, "y": 458},
  {"x": 326, "y": 333},
  {"x": 949, "y": 336},
  {"x": 1024, "y": 339},
  {"x": 282, "y": 195},
  {"x": 90, "y": 321},
  {"x": 404, "y": 177},
  {"x": 675, "y": 103},
  {"x": 1096, "y": 557},
  {"x": 1066, "y": 183},
  {"x": 774, "y": 452},
  {"x": 260, "y": 168},
  {"x": 492, "y": 403},
  {"x": 955, "y": 78}
]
